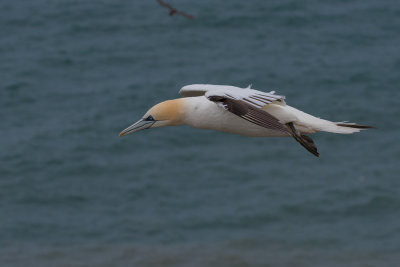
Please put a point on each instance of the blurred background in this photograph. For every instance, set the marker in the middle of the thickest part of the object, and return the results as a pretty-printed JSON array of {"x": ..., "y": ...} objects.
[{"x": 75, "y": 73}]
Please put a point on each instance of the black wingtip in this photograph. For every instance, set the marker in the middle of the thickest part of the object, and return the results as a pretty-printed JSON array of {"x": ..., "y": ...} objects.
[
  {"x": 303, "y": 140},
  {"x": 309, "y": 145}
]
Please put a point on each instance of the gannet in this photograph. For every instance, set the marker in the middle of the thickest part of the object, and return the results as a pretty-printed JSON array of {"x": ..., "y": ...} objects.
[{"x": 243, "y": 111}]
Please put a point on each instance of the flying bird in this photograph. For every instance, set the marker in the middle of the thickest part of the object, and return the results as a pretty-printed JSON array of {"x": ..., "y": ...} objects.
[
  {"x": 173, "y": 11},
  {"x": 243, "y": 111}
]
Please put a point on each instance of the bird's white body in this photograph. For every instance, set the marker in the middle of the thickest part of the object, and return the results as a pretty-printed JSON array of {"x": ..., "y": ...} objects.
[
  {"x": 199, "y": 112},
  {"x": 204, "y": 114}
]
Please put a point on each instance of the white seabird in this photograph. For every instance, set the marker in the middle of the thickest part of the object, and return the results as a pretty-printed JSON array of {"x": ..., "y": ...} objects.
[{"x": 243, "y": 111}]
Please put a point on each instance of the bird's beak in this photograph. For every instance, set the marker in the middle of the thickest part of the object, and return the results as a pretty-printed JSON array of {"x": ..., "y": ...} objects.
[{"x": 138, "y": 126}]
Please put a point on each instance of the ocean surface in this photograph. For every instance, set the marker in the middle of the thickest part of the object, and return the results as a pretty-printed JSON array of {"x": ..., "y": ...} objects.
[{"x": 73, "y": 74}]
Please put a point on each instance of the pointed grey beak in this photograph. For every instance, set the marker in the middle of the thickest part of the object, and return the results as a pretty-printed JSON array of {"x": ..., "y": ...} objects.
[{"x": 138, "y": 126}]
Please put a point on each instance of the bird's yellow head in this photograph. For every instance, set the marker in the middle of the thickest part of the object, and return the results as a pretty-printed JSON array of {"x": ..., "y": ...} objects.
[{"x": 167, "y": 113}]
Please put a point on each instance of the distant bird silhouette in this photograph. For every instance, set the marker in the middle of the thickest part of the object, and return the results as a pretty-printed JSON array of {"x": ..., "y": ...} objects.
[{"x": 173, "y": 11}]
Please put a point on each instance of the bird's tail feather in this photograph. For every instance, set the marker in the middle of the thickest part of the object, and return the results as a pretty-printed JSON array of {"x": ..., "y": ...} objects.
[
  {"x": 353, "y": 125},
  {"x": 307, "y": 123},
  {"x": 342, "y": 127}
]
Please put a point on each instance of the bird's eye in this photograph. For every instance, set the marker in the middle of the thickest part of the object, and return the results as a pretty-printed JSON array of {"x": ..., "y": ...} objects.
[{"x": 149, "y": 118}]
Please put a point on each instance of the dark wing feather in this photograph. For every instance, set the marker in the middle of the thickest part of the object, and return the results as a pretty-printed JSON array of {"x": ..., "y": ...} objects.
[
  {"x": 303, "y": 140},
  {"x": 250, "y": 113}
]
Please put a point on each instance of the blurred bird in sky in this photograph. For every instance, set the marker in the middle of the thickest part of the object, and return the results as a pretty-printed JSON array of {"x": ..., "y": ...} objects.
[{"x": 173, "y": 11}]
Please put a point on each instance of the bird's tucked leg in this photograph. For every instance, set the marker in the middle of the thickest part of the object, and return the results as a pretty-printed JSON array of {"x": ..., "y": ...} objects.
[{"x": 304, "y": 140}]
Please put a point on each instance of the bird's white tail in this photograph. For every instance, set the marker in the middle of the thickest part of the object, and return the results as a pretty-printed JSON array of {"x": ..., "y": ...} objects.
[
  {"x": 342, "y": 127},
  {"x": 309, "y": 124}
]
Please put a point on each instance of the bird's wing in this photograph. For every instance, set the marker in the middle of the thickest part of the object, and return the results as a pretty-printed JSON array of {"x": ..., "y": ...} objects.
[
  {"x": 246, "y": 103},
  {"x": 249, "y": 112},
  {"x": 253, "y": 97},
  {"x": 161, "y": 2},
  {"x": 201, "y": 89},
  {"x": 185, "y": 14}
]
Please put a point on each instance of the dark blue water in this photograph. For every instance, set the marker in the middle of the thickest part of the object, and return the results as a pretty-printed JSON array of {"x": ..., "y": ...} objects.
[{"x": 73, "y": 74}]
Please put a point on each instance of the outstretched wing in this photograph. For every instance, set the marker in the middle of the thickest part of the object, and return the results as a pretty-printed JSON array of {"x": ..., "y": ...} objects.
[
  {"x": 201, "y": 89},
  {"x": 250, "y": 96},
  {"x": 246, "y": 103}
]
